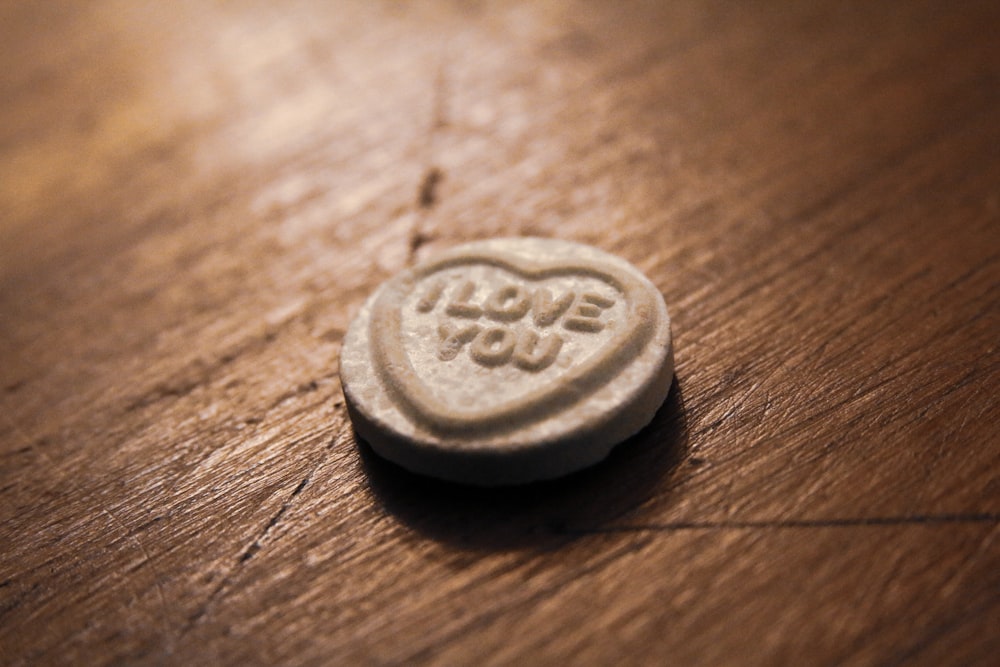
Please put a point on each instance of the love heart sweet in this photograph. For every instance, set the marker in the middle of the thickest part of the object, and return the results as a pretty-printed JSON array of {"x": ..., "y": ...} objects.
[{"x": 507, "y": 361}]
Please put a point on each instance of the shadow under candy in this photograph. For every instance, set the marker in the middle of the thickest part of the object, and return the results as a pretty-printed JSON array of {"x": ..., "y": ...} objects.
[{"x": 536, "y": 514}]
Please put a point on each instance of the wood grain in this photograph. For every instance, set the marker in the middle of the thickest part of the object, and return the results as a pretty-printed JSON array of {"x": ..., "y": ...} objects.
[{"x": 195, "y": 199}]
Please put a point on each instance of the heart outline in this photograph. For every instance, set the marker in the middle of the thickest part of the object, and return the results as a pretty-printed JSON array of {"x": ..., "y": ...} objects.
[{"x": 410, "y": 392}]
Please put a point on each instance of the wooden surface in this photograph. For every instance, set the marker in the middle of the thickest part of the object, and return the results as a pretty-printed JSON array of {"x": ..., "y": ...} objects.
[{"x": 195, "y": 199}]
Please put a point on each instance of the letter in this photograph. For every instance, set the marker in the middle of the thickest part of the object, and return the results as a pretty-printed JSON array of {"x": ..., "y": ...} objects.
[
  {"x": 430, "y": 297},
  {"x": 546, "y": 311},
  {"x": 460, "y": 305},
  {"x": 585, "y": 316},
  {"x": 530, "y": 356},
  {"x": 454, "y": 338},
  {"x": 598, "y": 300},
  {"x": 507, "y": 304},
  {"x": 493, "y": 346}
]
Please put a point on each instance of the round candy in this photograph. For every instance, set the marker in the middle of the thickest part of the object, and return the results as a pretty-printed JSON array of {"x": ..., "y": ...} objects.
[{"x": 507, "y": 361}]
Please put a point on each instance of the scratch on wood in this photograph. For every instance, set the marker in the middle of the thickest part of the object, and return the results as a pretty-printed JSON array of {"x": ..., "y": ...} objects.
[
  {"x": 134, "y": 538},
  {"x": 255, "y": 547},
  {"x": 14, "y": 386},
  {"x": 197, "y": 374},
  {"x": 252, "y": 550},
  {"x": 14, "y": 602},
  {"x": 301, "y": 390}
]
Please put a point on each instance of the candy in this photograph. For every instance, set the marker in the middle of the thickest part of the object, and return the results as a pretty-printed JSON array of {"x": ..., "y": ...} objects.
[{"x": 507, "y": 361}]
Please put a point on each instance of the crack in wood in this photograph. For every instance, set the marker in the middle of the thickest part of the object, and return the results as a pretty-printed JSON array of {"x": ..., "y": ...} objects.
[
  {"x": 918, "y": 519},
  {"x": 426, "y": 198}
]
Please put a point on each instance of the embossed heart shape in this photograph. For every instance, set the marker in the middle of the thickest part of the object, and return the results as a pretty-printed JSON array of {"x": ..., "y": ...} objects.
[{"x": 412, "y": 394}]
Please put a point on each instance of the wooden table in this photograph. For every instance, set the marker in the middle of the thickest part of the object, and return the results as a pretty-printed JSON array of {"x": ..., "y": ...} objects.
[{"x": 195, "y": 199}]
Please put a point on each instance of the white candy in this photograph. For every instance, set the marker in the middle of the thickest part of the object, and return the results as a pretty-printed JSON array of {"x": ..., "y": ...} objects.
[{"x": 507, "y": 361}]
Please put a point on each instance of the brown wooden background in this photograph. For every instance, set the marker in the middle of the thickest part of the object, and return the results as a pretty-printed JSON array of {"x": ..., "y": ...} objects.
[{"x": 196, "y": 197}]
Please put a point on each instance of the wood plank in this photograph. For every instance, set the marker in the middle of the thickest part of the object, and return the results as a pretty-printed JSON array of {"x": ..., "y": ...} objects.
[{"x": 197, "y": 199}]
